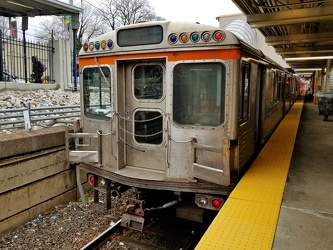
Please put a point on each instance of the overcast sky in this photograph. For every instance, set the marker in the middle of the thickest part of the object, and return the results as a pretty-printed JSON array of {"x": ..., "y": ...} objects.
[
  {"x": 175, "y": 10},
  {"x": 193, "y": 11},
  {"x": 189, "y": 10}
]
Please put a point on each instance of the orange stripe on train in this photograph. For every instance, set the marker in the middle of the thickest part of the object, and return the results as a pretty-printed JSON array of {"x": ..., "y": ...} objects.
[{"x": 172, "y": 56}]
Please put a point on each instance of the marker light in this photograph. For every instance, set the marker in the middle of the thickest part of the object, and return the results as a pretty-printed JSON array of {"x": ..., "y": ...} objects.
[
  {"x": 205, "y": 36},
  {"x": 216, "y": 203},
  {"x": 91, "y": 179},
  {"x": 85, "y": 47},
  {"x": 97, "y": 45},
  {"x": 103, "y": 182},
  {"x": 103, "y": 44},
  {"x": 195, "y": 37},
  {"x": 173, "y": 38},
  {"x": 183, "y": 38},
  {"x": 91, "y": 46},
  {"x": 110, "y": 44},
  {"x": 202, "y": 200},
  {"x": 218, "y": 36}
]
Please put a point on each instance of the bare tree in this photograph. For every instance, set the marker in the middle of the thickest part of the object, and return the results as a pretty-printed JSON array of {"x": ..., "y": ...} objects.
[
  {"x": 124, "y": 12},
  {"x": 95, "y": 21},
  {"x": 109, "y": 13},
  {"x": 4, "y": 25},
  {"x": 90, "y": 26},
  {"x": 52, "y": 26}
]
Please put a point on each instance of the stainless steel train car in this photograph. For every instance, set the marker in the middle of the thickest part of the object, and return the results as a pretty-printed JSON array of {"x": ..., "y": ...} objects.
[{"x": 176, "y": 108}]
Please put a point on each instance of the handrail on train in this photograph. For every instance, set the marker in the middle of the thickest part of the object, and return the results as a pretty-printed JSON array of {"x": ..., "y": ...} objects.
[{"x": 91, "y": 156}]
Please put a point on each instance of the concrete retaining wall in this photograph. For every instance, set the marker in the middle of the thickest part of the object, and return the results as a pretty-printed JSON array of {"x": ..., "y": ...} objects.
[
  {"x": 24, "y": 141},
  {"x": 27, "y": 86},
  {"x": 34, "y": 175}
]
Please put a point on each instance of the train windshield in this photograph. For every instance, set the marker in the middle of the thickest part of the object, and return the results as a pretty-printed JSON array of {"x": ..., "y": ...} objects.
[
  {"x": 97, "y": 93},
  {"x": 198, "y": 94}
]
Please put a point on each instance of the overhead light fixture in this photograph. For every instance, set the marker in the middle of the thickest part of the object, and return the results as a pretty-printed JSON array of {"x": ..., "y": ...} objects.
[
  {"x": 19, "y": 4},
  {"x": 308, "y": 58},
  {"x": 305, "y": 73},
  {"x": 307, "y": 69}
]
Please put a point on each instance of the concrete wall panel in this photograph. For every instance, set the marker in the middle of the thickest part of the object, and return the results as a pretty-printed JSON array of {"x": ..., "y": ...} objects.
[
  {"x": 29, "y": 141},
  {"x": 17, "y": 220},
  {"x": 23, "y": 198},
  {"x": 23, "y": 172}
]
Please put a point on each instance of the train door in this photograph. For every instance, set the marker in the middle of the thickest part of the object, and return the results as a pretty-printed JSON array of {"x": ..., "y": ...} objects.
[
  {"x": 259, "y": 103},
  {"x": 247, "y": 112},
  {"x": 287, "y": 94},
  {"x": 144, "y": 115}
]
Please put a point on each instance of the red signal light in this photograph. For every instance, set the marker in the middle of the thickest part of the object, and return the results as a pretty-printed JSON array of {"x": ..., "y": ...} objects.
[
  {"x": 91, "y": 179},
  {"x": 218, "y": 36},
  {"x": 216, "y": 203}
]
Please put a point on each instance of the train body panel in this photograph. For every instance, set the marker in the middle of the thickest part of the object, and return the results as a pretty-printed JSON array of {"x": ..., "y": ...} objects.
[{"x": 177, "y": 106}]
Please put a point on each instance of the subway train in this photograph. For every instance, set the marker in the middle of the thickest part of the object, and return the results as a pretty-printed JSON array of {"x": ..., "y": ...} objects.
[{"x": 176, "y": 110}]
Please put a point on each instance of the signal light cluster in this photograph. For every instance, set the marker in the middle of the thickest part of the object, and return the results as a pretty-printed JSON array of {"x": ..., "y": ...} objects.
[
  {"x": 98, "y": 45},
  {"x": 184, "y": 38},
  {"x": 209, "y": 202},
  {"x": 194, "y": 37}
]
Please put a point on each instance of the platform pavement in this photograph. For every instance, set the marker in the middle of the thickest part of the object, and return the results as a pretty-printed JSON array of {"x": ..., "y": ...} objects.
[{"x": 306, "y": 215}]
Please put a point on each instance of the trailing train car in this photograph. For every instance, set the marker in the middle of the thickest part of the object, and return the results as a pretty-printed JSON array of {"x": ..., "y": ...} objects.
[{"x": 177, "y": 108}]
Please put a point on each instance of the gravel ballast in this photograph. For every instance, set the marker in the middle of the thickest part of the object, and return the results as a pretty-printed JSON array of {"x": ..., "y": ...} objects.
[{"x": 16, "y": 99}]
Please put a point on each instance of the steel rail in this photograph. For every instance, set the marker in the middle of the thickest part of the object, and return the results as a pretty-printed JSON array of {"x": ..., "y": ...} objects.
[{"x": 102, "y": 238}]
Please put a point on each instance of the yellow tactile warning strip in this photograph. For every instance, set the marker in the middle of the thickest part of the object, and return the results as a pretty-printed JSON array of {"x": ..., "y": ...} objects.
[{"x": 249, "y": 217}]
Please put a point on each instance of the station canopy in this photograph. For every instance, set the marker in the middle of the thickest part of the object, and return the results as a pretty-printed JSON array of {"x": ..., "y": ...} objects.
[
  {"x": 301, "y": 31},
  {"x": 32, "y": 8}
]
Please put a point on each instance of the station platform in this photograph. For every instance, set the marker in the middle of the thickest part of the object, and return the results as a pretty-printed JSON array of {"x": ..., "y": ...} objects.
[{"x": 285, "y": 199}]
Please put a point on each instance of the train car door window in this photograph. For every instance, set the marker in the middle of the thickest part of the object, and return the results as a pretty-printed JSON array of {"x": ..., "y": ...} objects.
[
  {"x": 272, "y": 84},
  {"x": 148, "y": 86},
  {"x": 277, "y": 83},
  {"x": 148, "y": 81},
  {"x": 279, "y": 86},
  {"x": 244, "y": 92},
  {"x": 199, "y": 94},
  {"x": 148, "y": 127},
  {"x": 144, "y": 106},
  {"x": 287, "y": 87},
  {"x": 97, "y": 93}
]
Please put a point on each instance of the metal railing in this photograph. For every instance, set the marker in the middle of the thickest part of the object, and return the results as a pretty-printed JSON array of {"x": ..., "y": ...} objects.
[
  {"x": 15, "y": 59},
  {"x": 38, "y": 116}
]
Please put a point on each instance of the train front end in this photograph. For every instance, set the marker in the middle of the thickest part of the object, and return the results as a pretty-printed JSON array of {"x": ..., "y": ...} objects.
[{"x": 156, "y": 111}]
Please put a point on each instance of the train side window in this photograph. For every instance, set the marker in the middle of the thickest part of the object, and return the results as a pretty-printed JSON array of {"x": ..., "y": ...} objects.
[
  {"x": 244, "y": 92},
  {"x": 148, "y": 81},
  {"x": 97, "y": 93},
  {"x": 275, "y": 86},
  {"x": 199, "y": 94}
]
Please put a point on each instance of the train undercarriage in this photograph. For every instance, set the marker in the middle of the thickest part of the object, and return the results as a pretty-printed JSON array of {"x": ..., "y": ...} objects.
[{"x": 188, "y": 202}]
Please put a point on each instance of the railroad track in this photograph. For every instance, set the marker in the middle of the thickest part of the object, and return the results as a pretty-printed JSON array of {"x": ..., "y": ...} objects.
[
  {"x": 103, "y": 237},
  {"x": 157, "y": 235}
]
